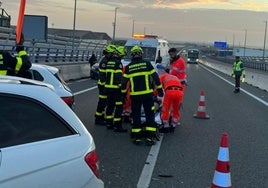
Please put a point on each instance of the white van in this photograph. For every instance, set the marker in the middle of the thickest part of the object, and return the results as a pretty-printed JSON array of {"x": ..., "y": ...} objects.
[{"x": 154, "y": 49}]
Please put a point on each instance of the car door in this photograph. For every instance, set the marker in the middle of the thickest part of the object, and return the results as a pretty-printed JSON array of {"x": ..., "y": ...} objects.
[{"x": 38, "y": 147}]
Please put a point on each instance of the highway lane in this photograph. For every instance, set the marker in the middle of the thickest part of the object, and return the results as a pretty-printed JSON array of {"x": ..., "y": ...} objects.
[{"x": 188, "y": 157}]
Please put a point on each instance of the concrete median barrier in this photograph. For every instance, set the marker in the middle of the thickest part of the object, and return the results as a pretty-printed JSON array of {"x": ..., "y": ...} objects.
[
  {"x": 73, "y": 71},
  {"x": 253, "y": 77}
]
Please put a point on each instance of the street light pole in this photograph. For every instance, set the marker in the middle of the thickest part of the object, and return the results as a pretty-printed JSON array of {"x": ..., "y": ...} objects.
[
  {"x": 264, "y": 40},
  {"x": 115, "y": 11},
  {"x": 245, "y": 42},
  {"x": 74, "y": 23},
  {"x": 133, "y": 24}
]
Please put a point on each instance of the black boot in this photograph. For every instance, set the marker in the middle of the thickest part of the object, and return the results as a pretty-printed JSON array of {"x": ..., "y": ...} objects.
[{"x": 99, "y": 121}]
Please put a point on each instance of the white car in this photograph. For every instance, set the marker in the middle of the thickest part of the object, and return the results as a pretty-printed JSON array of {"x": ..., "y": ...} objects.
[
  {"x": 42, "y": 141},
  {"x": 51, "y": 75}
]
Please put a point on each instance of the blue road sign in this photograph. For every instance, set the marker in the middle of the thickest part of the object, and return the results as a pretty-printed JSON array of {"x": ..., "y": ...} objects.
[{"x": 220, "y": 45}]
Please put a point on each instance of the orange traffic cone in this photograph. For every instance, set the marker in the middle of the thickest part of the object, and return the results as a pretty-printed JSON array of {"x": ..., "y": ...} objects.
[
  {"x": 222, "y": 176},
  {"x": 201, "y": 110}
]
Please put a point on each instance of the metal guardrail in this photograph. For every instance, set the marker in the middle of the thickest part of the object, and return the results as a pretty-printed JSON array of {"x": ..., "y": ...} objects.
[
  {"x": 54, "y": 49},
  {"x": 258, "y": 63}
]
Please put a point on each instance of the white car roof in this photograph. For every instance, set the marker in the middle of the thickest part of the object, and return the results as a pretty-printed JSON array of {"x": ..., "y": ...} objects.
[
  {"x": 52, "y": 69},
  {"x": 20, "y": 80}
]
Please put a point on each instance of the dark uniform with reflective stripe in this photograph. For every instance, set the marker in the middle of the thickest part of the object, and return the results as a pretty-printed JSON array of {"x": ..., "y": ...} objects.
[
  {"x": 114, "y": 72},
  {"x": 143, "y": 79},
  {"x": 14, "y": 66},
  {"x": 100, "y": 112}
]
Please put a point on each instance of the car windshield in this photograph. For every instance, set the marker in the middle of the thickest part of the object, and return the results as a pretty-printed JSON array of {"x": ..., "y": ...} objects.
[{"x": 148, "y": 53}]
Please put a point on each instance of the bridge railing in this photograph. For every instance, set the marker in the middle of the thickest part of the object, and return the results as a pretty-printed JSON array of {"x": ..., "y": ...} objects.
[{"x": 54, "y": 49}]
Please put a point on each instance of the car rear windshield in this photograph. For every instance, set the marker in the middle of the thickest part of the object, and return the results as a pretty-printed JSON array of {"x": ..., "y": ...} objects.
[{"x": 25, "y": 120}]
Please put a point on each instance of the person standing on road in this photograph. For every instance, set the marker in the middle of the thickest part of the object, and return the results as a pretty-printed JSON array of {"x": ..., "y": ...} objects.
[
  {"x": 15, "y": 66},
  {"x": 177, "y": 66},
  {"x": 238, "y": 71},
  {"x": 172, "y": 99},
  {"x": 92, "y": 60},
  {"x": 112, "y": 87},
  {"x": 142, "y": 78},
  {"x": 100, "y": 111}
]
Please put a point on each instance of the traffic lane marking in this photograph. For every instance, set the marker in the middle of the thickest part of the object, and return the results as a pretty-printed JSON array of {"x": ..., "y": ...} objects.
[
  {"x": 147, "y": 171},
  {"x": 85, "y": 90},
  {"x": 246, "y": 92}
]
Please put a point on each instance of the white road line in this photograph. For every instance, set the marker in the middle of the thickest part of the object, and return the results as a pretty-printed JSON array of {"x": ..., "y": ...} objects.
[
  {"x": 248, "y": 93},
  {"x": 86, "y": 90},
  {"x": 147, "y": 171}
]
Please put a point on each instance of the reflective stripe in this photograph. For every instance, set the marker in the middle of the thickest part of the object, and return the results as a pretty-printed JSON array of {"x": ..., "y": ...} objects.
[
  {"x": 153, "y": 129},
  {"x": 98, "y": 114},
  {"x": 112, "y": 86},
  {"x": 139, "y": 74},
  {"x": 117, "y": 119},
  {"x": 109, "y": 117},
  {"x": 102, "y": 70},
  {"x": 21, "y": 53},
  {"x": 223, "y": 154},
  {"x": 114, "y": 71},
  {"x": 3, "y": 72},
  {"x": 159, "y": 86},
  {"x": 118, "y": 103},
  {"x": 19, "y": 64},
  {"x": 101, "y": 83},
  {"x": 102, "y": 96},
  {"x": 222, "y": 179},
  {"x": 141, "y": 92},
  {"x": 136, "y": 130},
  {"x": 123, "y": 91}
]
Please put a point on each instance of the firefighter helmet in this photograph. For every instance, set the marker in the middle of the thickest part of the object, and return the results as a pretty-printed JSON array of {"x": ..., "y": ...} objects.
[
  {"x": 110, "y": 48},
  {"x": 121, "y": 50},
  {"x": 136, "y": 50}
]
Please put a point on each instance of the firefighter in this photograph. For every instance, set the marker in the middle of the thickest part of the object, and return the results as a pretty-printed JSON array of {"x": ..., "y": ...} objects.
[
  {"x": 238, "y": 71},
  {"x": 178, "y": 66},
  {"x": 112, "y": 87},
  {"x": 173, "y": 94},
  {"x": 142, "y": 78},
  {"x": 15, "y": 66},
  {"x": 100, "y": 112}
]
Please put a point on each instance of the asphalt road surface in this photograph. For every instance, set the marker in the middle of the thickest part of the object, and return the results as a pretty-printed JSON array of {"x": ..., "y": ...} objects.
[{"x": 187, "y": 158}]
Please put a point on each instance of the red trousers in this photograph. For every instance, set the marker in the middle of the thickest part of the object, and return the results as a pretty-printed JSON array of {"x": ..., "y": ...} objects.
[{"x": 171, "y": 105}]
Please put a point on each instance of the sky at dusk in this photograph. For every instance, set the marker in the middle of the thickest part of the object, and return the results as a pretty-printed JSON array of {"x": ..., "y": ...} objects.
[{"x": 176, "y": 20}]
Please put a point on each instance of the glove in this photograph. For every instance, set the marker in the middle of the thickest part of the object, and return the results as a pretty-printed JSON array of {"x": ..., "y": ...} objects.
[
  {"x": 243, "y": 79},
  {"x": 232, "y": 74}
]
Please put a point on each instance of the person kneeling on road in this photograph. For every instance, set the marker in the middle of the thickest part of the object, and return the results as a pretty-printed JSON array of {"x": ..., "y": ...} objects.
[{"x": 173, "y": 95}]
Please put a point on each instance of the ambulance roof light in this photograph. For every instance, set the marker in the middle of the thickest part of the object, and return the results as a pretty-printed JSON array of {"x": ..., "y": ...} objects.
[{"x": 141, "y": 36}]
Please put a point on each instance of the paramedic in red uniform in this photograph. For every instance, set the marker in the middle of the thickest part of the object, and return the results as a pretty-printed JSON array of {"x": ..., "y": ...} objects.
[
  {"x": 173, "y": 94},
  {"x": 177, "y": 66}
]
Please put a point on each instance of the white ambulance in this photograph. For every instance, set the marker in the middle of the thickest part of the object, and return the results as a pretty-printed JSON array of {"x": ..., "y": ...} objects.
[{"x": 155, "y": 49}]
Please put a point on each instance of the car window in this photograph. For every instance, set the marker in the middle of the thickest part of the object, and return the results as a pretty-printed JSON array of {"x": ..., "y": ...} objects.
[
  {"x": 25, "y": 120},
  {"x": 37, "y": 76}
]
